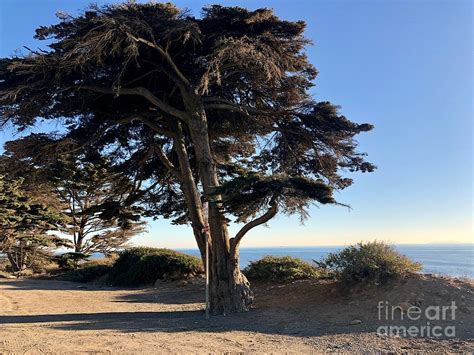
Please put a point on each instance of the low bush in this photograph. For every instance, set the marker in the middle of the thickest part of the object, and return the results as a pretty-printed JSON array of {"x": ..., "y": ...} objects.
[
  {"x": 71, "y": 260},
  {"x": 86, "y": 273},
  {"x": 281, "y": 269},
  {"x": 373, "y": 261},
  {"x": 143, "y": 266},
  {"x": 89, "y": 271}
]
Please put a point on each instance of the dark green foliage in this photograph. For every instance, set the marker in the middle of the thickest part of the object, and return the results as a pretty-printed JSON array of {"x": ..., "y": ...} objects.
[
  {"x": 121, "y": 89},
  {"x": 281, "y": 269},
  {"x": 98, "y": 201},
  {"x": 254, "y": 192},
  {"x": 69, "y": 261},
  {"x": 372, "y": 261},
  {"x": 25, "y": 223},
  {"x": 143, "y": 266},
  {"x": 101, "y": 201},
  {"x": 20, "y": 213},
  {"x": 87, "y": 273}
]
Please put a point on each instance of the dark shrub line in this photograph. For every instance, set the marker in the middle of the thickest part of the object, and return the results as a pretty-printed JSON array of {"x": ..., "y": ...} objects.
[{"x": 375, "y": 262}]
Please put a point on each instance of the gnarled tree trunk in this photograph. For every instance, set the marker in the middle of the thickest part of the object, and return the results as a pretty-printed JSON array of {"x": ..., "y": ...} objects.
[{"x": 229, "y": 288}]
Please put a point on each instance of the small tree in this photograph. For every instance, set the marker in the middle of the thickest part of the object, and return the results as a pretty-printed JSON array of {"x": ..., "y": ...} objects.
[
  {"x": 91, "y": 193},
  {"x": 95, "y": 201},
  {"x": 216, "y": 107},
  {"x": 24, "y": 226}
]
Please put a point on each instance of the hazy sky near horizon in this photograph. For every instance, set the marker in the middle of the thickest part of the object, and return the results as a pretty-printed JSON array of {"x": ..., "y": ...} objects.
[{"x": 404, "y": 66}]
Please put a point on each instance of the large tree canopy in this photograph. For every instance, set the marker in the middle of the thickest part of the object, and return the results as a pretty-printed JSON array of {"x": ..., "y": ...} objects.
[{"x": 215, "y": 106}]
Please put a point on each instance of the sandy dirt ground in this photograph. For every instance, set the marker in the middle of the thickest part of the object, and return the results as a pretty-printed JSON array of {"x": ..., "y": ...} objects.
[{"x": 38, "y": 316}]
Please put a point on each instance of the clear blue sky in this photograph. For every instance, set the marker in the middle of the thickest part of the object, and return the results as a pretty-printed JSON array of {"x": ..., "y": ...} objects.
[{"x": 406, "y": 67}]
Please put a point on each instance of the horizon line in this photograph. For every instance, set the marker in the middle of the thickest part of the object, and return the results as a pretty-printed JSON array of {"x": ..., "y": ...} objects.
[{"x": 329, "y": 245}]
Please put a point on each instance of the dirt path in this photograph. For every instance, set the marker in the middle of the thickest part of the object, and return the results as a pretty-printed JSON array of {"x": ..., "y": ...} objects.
[{"x": 52, "y": 316}]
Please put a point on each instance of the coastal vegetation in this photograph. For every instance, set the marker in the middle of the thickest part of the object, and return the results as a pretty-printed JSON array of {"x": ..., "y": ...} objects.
[
  {"x": 374, "y": 261},
  {"x": 172, "y": 111},
  {"x": 86, "y": 195},
  {"x": 282, "y": 269},
  {"x": 88, "y": 272},
  {"x": 144, "y": 266},
  {"x": 127, "y": 124},
  {"x": 365, "y": 263}
]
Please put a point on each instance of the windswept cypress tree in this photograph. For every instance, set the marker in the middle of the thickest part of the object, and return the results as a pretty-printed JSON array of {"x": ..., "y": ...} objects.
[
  {"x": 24, "y": 225},
  {"x": 98, "y": 204},
  {"x": 216, "y": 106}
]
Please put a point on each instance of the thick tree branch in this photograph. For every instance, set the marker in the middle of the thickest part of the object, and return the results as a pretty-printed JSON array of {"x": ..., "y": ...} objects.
[
  {"x": 149, "y": 122},
  {"x": 141, "y": 91},
  {"x": 272, "y": 211},
  {"x": 189, "y": 185},
  {"x": 167, "y": 163},
  {"x": 222, "y": 104},
  {"x": 161, "y": 68},
  {"x": 166, "y": 56},
  {"x": 140, "y": 193}
]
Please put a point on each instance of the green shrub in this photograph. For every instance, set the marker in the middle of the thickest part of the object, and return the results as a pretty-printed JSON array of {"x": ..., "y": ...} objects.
[
  {"x": 281, "y": 269},
  {"x": 143, "y": 266},
  {"x": 373, "y": 261},
  {"x": 70, "y": 261},
  {"x": 87, "y": 273}
]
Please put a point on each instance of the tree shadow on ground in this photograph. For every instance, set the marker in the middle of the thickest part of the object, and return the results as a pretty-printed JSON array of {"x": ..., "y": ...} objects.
[
  {"x": 179, "y": 321},
  {"x": 263, "y": 319},
  {"x": 166, "y": 293},
  {"x": 302, "y": 310},
  {"x": 256, "y": 321},
  {"x": 51, "y": 285}
]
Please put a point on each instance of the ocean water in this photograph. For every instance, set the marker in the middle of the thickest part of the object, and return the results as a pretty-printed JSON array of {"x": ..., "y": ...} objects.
[{"x": 455, "y": 260}]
